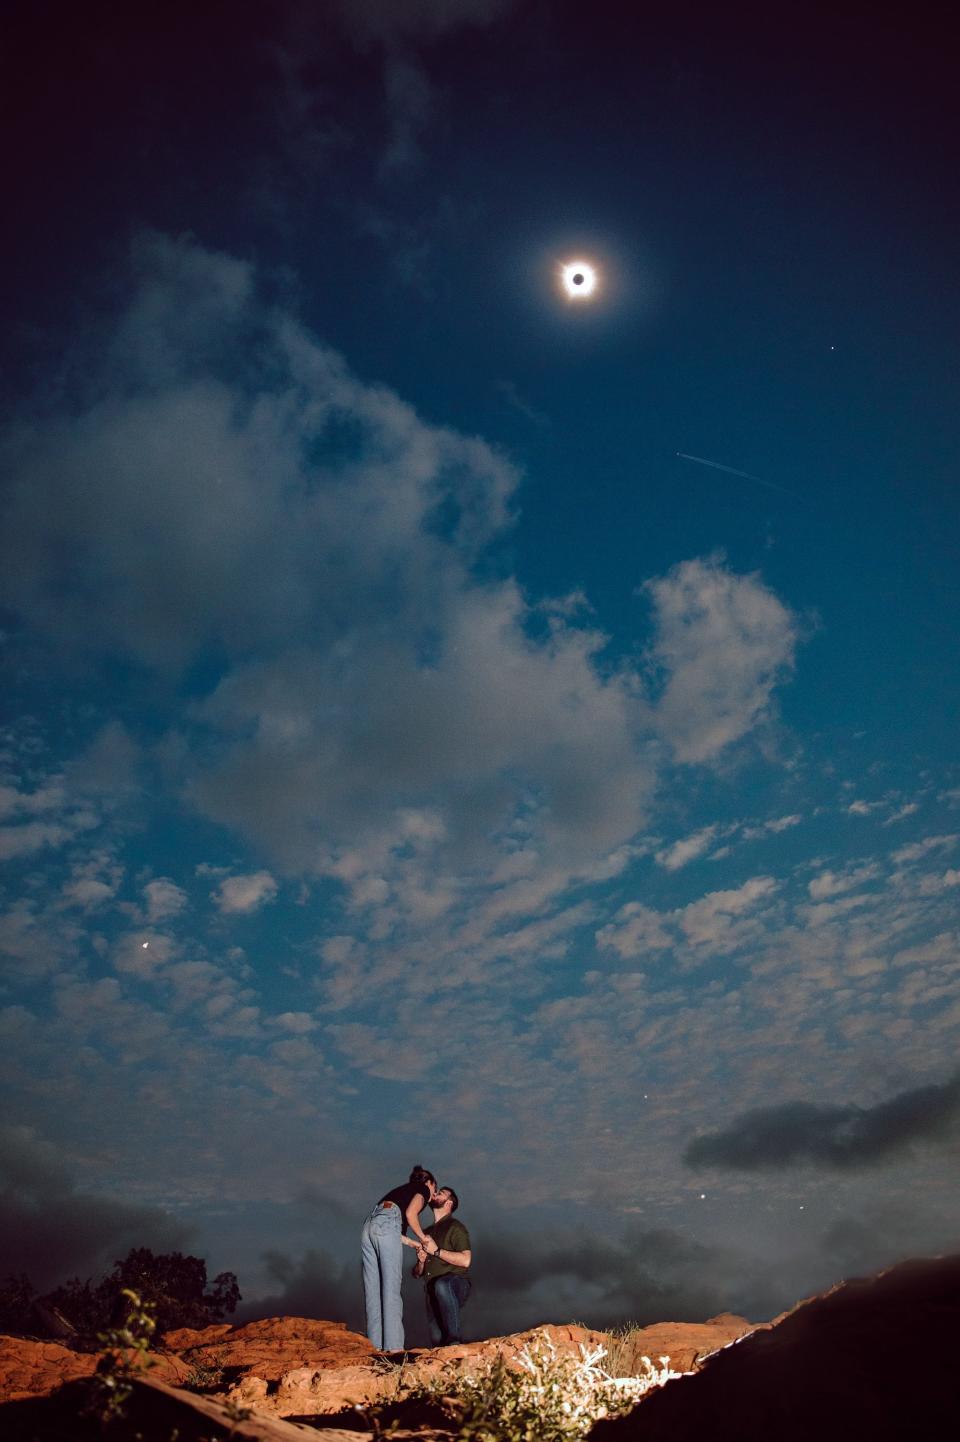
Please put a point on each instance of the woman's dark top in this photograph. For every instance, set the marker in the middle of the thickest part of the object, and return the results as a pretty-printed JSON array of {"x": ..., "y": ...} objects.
[{"x": 403, "y": 1196}]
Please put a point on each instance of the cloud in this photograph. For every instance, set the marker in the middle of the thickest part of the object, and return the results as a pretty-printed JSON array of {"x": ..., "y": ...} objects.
[
  {"x": 450, "y": 767},
  {"x": 369, "y": 21},
  {"x": 635, "y": 929},
  {"x": 32, "y": 836},
  {"x": 52, "y": 1229},
  {"x": 164, "y": 899},
  {"x": 917, "y": 850},
  {"x": 641, "y": 1275},
  {"x": 907, "y": 809},
  {"x": 840, "y": 1137},
  {"x": 409, "y": 105},
  {"x": 314, "y": 1286},
  {"x": 243, "y": 894},
  {"x": 331, "y": 545},
  {"x": 833, "y": 883},
  {"x": 711, "y": 921},
  {"x": 687, "y": 849},
  {"x": 722, "y": 643},
  {"x": 771, "y": 828},
  {"x": 511, "y": 394}
]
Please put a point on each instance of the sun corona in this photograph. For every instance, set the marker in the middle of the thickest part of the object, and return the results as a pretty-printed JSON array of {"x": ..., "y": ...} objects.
[{"x": 578, "y": 279}]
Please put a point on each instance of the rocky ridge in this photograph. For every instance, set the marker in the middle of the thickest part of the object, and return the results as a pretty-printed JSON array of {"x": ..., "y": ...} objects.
[
  {"x": 296, "y": 1366},
  {"x": 871, "y": 1358}
]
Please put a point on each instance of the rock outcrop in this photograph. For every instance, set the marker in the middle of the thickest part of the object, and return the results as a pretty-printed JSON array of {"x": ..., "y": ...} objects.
[
  {"x": 295, "y": 1366},
  {"x": 312, "y": 1389},
  {"x": 871, "y": 1359},
  {"x": 32, "y": 1369},
  {"x": 155, "y": 1412},
  {"x": 270, "y": 1348}
]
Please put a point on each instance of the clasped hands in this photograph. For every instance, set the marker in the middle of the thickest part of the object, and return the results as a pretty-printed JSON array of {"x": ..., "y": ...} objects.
[{"x": 426, "y": 1248}]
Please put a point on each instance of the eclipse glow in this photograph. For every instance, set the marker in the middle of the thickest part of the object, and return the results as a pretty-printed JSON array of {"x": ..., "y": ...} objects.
[{"x": 579, "y": 279}]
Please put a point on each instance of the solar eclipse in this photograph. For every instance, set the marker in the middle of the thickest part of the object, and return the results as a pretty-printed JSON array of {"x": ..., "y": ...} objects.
[{"x": 578, "y": 279}]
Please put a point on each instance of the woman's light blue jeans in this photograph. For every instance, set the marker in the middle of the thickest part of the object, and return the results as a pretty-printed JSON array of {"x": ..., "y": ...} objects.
[{"x": 381, "y": 1258}]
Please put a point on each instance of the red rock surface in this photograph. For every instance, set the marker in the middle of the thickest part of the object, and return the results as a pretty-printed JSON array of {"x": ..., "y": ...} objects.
[
  {"x": 271, "y": 1347},
  {"x": 155, "y": 1412},
  {"x": 872, "y": 1359},
  {"x": 685, "y": 1343},
  {"x": 309, "y": 1390},
  {"x": 31, "y": 1369},
  {"x": 296, "y": 1365}
]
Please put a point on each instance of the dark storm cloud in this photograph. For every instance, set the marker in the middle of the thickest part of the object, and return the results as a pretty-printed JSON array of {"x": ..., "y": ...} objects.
[
  {"x": 642, "y": 1276},
  {"x": 314, "y": 1286},
  {"x": 639, "y": 1276},
  {"x": 413, "y": 20},
  {"x": 52, "y": 1230},
  {"x": 831, "y": 1136},
  {"x": 885, "y": 1233}
]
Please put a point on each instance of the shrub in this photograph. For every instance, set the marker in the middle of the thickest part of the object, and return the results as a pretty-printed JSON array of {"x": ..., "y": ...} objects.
[
  {"x": 125, "y": 1357},
  {"x": 553, "y": 1397},
  {"x": 207, "y": 1376}
]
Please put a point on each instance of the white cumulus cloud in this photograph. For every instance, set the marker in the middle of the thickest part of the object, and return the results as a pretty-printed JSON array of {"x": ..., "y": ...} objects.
[{"x": 242, "y": 894}]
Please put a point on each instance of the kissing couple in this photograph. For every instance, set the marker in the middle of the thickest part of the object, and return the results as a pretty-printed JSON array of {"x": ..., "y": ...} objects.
[{"x": 443, "y": 1261}]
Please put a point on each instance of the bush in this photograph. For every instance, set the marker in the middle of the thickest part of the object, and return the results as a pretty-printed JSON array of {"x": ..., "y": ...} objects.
[
  {"x": 554, "y": 1397},
  {"x": 125, "y": 1357}
]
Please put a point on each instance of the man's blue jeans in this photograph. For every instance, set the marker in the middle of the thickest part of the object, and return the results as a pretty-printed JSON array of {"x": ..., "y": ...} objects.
[
  {"x": 381, "y": 1259},
  {"x": 444, "y": 1297}
]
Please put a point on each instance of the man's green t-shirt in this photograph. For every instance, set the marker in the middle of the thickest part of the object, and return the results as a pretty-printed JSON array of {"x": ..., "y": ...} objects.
[{"x": 451, "y": 1236}]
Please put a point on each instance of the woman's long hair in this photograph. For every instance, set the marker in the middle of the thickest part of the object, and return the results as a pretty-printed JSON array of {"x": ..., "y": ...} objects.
[{"x": 420, "y": 1174}]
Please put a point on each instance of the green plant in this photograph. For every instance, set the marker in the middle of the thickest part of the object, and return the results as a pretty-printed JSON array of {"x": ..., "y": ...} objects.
[
  {"x": 551, "y": 1396},
  {"x": 125, "y": 1356},
  {"x": 621, "y": 1349},
  {"x": 236, "y": 1412},
  {"x": 208, "y": 1375}
]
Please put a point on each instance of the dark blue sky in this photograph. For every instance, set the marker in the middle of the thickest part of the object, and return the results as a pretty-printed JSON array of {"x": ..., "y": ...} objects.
[{"x": 408, "y": 755}]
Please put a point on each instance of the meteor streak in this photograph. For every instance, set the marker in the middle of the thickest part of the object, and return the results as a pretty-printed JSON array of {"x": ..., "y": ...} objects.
[{"x": 732, "y": 470}]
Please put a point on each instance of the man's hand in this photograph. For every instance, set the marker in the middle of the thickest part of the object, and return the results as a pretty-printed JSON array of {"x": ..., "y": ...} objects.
[
  {"x": 431, "y": 1247},
  {"x": 421, "y": 1262}
]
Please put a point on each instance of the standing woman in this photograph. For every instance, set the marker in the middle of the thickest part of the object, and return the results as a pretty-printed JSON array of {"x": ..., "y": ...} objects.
[{"x": 381, "y": 1255}]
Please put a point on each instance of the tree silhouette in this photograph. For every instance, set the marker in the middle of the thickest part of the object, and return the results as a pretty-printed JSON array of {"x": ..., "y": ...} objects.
[{"x": 175, "y": 1284}]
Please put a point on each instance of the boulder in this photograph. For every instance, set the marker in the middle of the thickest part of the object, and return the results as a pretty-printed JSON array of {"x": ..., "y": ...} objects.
[{"x": 872, "y": 1358}]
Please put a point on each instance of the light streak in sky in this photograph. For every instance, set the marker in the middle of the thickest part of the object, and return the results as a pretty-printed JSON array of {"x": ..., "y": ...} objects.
[{"x": 732, "y": 470}]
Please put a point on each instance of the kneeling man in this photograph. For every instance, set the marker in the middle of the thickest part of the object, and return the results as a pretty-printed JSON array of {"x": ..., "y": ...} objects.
[{"x": 446, "y": 1283}]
